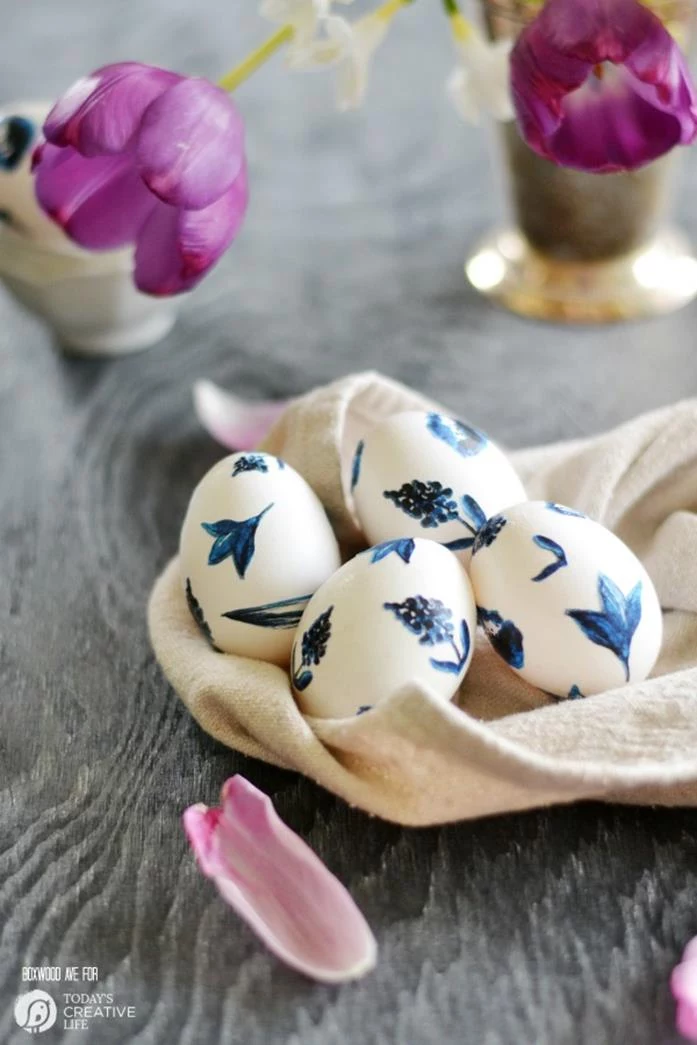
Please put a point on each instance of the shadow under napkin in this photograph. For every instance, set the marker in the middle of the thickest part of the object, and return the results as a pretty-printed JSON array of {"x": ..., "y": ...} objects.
[{"x": 506, "y": 746}]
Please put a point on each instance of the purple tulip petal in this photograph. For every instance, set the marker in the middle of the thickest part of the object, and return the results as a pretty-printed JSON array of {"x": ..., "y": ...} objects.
[
  {"x": 683, "y": 984},
  {"x": 101, "y": 113},
  {"x": 177, "y": 248},
  {"x": 274, "y": 881},
  {"x": 231, "y": 421},
  {"x": 601, "y": 86},
  {"x": 190, "y": 147},
  {"x": 101, "y": 203}
]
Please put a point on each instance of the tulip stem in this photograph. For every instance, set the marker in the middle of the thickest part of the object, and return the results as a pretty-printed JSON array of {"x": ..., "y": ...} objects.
[
  {"x": 232, "y": 80},
  {"x": 461, "y": 28}
]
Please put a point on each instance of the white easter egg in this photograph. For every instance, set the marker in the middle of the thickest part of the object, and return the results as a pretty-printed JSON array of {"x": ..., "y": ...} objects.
[
  {"x": 564, "y": 601},
  {"x": 401, "y": 612},
  {"x": 421, "y": 474},
  {"x": 255, "y": 545}
]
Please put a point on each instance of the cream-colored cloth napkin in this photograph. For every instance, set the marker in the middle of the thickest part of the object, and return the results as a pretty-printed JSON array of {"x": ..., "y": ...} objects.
[{"x": 504, "y": 745}]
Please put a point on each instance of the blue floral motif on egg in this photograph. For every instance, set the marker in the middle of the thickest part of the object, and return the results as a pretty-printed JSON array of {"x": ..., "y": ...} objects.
[
  {"x": 250, "y": 463},
  {"x": 283, "y": 615},
  {"x": 558, "y": 553},
  {"x": 614, "y": 626},
  {"x": 465, "y": 440},
  {"x": 504, "y": 636},
  {"x": 561, "y": 509},
  {"x": 404, "y": 548},
  {"x": 432, "y": 622},
  {"x": 234, "y": 540},
  {"x": 356, "y": 466},
  {"x": 198, "y": 615},
  {"x": 313, "y": 649},
  {"x": 488, "y": 533},
  {"x": 433, "y": 505}
]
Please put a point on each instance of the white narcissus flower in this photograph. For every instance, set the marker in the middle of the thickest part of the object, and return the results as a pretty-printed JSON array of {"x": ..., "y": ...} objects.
[
  {"x": 305, "y": 16},
  {"x": 480, "y": 83},
  {"x": 351, "y": 48}
]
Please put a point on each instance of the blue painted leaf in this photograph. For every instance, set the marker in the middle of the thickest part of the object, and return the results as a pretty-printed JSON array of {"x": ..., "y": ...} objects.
[
  {"x": 548, "y": 545},
  {"x": 504, "y": 636},
  {"x": 363, "y": 708},
  {"x": 302, "y": 681},
  {"x": 234, "y": 540},
  {"x": 404, "y": 548},
  {"x": 278, "y": 615},
  {"x": 465, "y": 639},
  {"x": 461, "y": 544},
  {"x": 250, "y": 463},
  {"x": 615, "y": 625},
  {"x": 356, "y": 467},
  {"x": 575, "y": 693},
  {"x": 445, "y": 665},
  {"x": 465, "y": 440},
  {"x": 561, "y": 509},
  {"x": 198, "y": 615},
  {"x": 16, "y": 135},
  {"x": 473, "y": 510}
]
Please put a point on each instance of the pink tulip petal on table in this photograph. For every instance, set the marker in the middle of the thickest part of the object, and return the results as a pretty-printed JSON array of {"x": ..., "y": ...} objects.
[
  {"x": 683, "y": 985},
  {"x": 233, "y": 422},
  {"x": 279, "y": 887}
]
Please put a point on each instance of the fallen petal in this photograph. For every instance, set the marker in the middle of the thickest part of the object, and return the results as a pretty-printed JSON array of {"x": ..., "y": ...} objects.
[
  {"x": 233, "y": 422},
  {"x": 274, "y": 881}
]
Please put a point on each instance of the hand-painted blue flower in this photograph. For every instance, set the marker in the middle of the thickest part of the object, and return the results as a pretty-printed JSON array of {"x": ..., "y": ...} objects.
[
  {"x": 198, "y": 614},
  {"x": 575, "y": 693},
  {"x": 465, "y": 440},
  {"x": 615, "y": 625},
  {"x": 488, "y": 533},
  {"x": 16, "y": 136},
  {"x": 356, "y": 466},
  {"x": 504, "y": 636},
  {"x": 234, "y": 540},
  {"x": 404, "y": 548},
  {"x": 432, "y": 622},
  {"x": 561, "y": 509},
  {"x": 313, "y": 649},
  {"x": 548, "y": 545},
  {"x": 250, "y": 463},
  {"x": 283, "y": 615},
  {"x": 430, "y": 502}
]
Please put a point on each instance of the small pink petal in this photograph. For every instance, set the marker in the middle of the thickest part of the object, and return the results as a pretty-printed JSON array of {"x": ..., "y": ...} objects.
[
  {"x": 233, "y": 422},
  {"x": 274, "y": 881},
  {"x": 686, "y": 1020},
  {"x": 190, "y": 146}
]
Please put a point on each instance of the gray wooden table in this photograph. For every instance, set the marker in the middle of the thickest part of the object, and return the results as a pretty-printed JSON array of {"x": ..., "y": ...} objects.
[{"x": 554, "y": 927}]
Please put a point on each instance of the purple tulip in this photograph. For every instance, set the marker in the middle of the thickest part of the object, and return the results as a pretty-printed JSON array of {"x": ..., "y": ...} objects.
[
  {"x": 601, "y": 85},
  {"x": 139, "y": 155}
]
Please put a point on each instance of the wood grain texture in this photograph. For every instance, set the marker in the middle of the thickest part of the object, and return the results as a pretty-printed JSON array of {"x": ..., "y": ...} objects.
[{"x": 550, "y": 928}]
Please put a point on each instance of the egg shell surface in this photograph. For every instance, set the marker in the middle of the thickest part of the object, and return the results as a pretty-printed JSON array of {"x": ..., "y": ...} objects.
[
  {"x": 402, "y": 612},
  {"x": 564, "y": 601},
  {"x": 421, "y": 474},
  {"x": 255, "y": 545}
]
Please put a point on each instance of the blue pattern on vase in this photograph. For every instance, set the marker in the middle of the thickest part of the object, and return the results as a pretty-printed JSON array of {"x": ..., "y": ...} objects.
[
  {"x": 561, "y": 509},
  {"x": 404, "y": 548},
  {"x": 250, "y": 463},
  {"x": 560, "y": 560},
  {"x": 16, "y": 136},
  {"x": 356, "y": 466},
  {"x": 313, "y": 648},
  {"x": 433, "y": 505},
  {"x": 198, "y": 614},
  {"x": 488, "y": 533},
  {"x": 504, "y": 636},
  {"x": 465, "y": 440},
  {"x": 283, "y": 615},
  {"x": 234, "y": 540},
  {"x": 614, "y": 626},
  {"x": 432, "y": 622}
]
